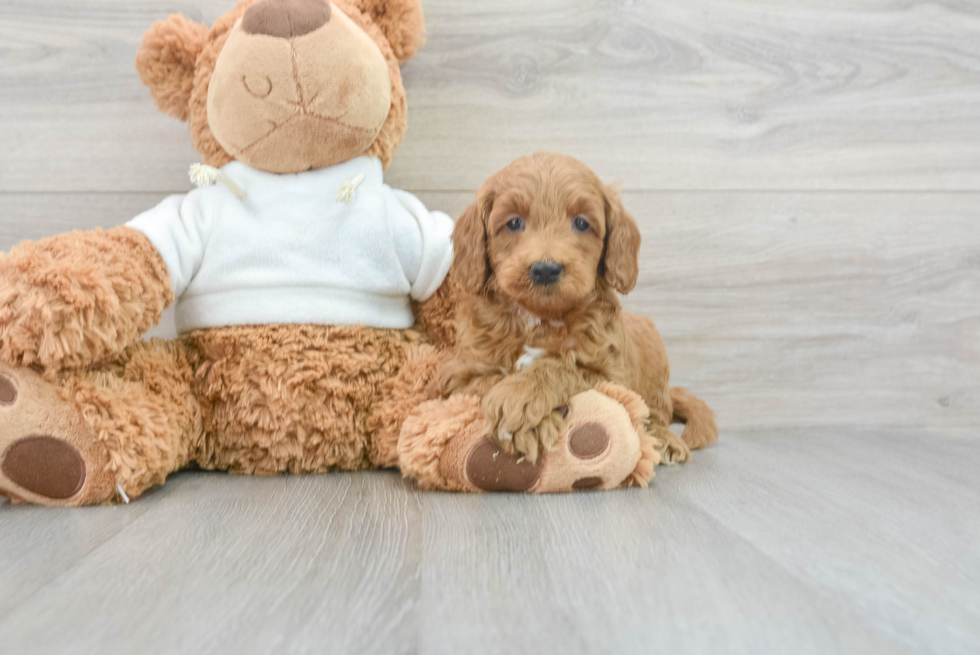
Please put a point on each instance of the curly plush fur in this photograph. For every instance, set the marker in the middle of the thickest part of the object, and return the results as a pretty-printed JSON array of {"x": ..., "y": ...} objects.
[
  {"x": 301, "y": 398},
  {"x": 80, "y": 298},
  {"x": 401, "y": 23},
  {"x": 142, "y": 411},
  {"x": 167, "y": 60}
]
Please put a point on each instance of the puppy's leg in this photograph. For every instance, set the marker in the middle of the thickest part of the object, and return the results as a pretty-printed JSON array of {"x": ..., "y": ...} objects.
[
  {"x": 700, "y": 428},
  {"x": 673, "y": 450}
]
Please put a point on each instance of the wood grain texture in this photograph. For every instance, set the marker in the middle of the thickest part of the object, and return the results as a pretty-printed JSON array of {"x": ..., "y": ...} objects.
[
  {"x": 204, "y": 569},
  {"x": 882, "y": 522},
  {"x": 609, "y": 573},
  {"x": 36, "y": 550},
  {"x": 806, "y": 541},
  {"x": 705, "y": 94},
  {"x": 806, "y": 176}
]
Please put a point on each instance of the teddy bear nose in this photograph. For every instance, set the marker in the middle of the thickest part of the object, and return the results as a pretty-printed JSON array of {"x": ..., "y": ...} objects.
[{"x": 286, "y": 19}]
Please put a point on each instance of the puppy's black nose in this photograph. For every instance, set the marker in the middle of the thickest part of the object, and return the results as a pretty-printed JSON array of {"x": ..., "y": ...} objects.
[{"x": 545, "y": 273}]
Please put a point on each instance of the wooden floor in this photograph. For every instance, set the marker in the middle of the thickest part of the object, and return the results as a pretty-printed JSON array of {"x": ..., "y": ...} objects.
[{"x": 807, "y": 178}]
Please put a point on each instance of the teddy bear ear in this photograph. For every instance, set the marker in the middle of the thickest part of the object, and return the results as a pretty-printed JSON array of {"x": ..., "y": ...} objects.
[
  {"x": 401, "y": 21},
  {"x": 166, "y": 62}
]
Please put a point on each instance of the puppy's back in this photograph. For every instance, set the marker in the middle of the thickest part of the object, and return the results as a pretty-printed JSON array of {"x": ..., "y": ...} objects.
[{"x": 645, "y": 357}]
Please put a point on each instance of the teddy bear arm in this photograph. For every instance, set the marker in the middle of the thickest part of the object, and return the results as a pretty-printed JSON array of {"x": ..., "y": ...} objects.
[{"x": 79, "y": 298}]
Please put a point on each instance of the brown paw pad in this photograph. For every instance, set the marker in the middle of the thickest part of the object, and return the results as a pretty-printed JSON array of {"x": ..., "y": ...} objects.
[
  {"x": 44, "y": 465},
  {"x": 588, "y": 441},
  {"x": 8, "y": 392},
  {"x": 491, "y": 469},
  {"x": 587, "y": 483}
]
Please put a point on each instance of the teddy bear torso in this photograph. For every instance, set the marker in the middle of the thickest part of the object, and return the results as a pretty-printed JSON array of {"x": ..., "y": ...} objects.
[
  {"x": 333, "y": 246},
  {"x": 299, "y": 398}
]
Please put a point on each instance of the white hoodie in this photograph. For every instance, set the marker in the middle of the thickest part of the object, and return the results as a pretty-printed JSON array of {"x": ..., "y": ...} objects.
[{"x": 292, "y": 252}]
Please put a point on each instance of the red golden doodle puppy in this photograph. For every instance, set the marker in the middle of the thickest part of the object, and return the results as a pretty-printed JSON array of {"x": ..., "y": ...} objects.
[{"x": 539, "y": 257}]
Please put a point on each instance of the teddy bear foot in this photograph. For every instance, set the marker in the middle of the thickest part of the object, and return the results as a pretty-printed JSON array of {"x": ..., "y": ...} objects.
[
  {"x": 604, "y": 446},
  {"x": 48, "y": 456}
]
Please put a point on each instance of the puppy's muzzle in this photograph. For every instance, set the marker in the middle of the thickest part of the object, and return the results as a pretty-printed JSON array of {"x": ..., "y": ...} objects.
[{"x": 546, "y": 273}]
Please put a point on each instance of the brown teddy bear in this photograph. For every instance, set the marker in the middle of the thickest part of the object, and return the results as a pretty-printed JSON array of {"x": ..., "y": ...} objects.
[{"x": 311, "y": 298}]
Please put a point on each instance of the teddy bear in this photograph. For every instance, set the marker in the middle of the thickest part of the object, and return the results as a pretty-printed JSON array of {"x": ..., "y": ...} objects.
[{"x": 313, "y": 302}]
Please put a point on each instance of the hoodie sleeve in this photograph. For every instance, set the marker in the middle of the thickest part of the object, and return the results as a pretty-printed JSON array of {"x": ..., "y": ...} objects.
[
  {"x": 424, "y": 243},
  {"x": 179, "y": 229}
]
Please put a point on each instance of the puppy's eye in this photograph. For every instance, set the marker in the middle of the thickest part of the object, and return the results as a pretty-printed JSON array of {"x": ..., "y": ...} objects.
[
  {"x": 515, "y": 224},
  {"x": 580, "y": 224}
]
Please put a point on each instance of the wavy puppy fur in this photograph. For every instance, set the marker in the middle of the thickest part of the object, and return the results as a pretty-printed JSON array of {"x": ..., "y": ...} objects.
[{"x": 539, "y": 259}]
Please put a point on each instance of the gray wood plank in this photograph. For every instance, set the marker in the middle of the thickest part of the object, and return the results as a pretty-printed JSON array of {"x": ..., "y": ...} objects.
[
  {"x": 215, "y": 563},
  {"x": 704, "y": 94},
  {"x": 780, "y": 309},
  {"x": 834, "y": 332},
  {"x": 807, "y": 541},
  {"x": 37, "y": 548},
  {"x": 818, "y": 309},
  {"x": 38, "y": 215},
  {"x": 884, "y": 523},
  {"x": 620, "y": 572}
]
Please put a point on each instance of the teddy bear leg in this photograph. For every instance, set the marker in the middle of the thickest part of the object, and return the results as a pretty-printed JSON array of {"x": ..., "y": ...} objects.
[
  {"x": 445, "y": 446},
  {"x": 97, "y": 436},
  {"x": 398, "y": 398}
]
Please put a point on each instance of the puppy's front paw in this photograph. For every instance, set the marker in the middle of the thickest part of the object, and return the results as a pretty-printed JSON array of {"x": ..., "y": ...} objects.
[{"x": 524, "y": 417}]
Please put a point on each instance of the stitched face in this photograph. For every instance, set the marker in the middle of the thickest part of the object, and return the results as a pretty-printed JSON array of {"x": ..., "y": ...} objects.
[
  {"x": 542, "y": 232},
  {"x": 297, "y": 85}
]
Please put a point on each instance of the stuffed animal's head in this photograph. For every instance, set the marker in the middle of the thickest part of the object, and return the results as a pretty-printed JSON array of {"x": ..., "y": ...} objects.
[{"x": 287, "y": 85}]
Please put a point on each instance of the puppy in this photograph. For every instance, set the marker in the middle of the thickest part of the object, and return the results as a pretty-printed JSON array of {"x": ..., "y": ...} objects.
[{"x": 539, "y": 258}]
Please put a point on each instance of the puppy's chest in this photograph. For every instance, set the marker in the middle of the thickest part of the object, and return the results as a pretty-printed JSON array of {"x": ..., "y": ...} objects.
[
  {"x": 552, "y": 343},
  {"x": 555, "y": 340}
]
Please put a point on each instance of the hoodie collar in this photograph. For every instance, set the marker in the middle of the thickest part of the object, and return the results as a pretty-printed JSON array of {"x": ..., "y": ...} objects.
[{"x": 258, "y": 183}]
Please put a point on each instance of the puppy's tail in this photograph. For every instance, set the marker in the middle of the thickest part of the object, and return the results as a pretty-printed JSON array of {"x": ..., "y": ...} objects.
[{"x": 700, "y": 428}]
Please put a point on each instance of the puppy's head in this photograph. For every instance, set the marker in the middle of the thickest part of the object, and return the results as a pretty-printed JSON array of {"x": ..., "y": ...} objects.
[{"x": 543, "y": 233}]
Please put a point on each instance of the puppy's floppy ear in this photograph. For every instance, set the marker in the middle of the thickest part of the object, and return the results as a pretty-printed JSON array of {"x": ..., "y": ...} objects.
[
  {"x": 167, "y": 60},
  {"x": 620, "y": 263},
  {"x": 471, "y": 264},
  {"x": 401, "y": 21}
]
